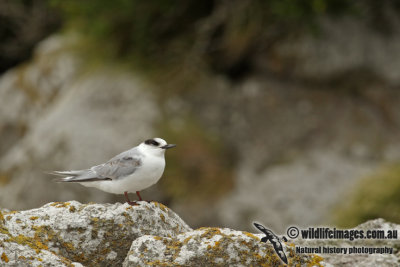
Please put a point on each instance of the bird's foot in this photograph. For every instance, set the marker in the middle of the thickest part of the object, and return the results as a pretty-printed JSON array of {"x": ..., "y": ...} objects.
[{"x": 132, "y": 203}]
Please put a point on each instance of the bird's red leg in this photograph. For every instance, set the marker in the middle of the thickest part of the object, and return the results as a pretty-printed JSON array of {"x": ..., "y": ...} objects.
[
  {"x": 140, "y": 198},
  {"x": 132, "y": 203}
]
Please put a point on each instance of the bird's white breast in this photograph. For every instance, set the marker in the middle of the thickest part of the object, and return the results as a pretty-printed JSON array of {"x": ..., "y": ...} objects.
[{"x": 145, "y": 176}]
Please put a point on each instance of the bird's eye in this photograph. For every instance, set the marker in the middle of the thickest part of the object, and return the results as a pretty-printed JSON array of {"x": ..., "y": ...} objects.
[{"x": 151, "y": 142}]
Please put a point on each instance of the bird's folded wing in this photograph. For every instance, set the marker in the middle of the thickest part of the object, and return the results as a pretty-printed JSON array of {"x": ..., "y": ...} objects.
[{"x": 118, "y": 167}]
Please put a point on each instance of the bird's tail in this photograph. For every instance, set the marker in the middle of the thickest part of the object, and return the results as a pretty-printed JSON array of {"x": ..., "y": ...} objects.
[
  {"x": 68, "y": 176},
  {"x": 77, "y": 176}
]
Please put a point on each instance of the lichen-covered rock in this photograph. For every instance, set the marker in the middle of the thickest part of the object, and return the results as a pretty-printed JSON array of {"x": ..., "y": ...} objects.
[
  {"x": 361, "y": 259},
  {"x": 210, "y": 247},
  {"x": 20, "y": 251},
  {"x": 91, "y": 234},
  {"x": 150, "y": 234}
]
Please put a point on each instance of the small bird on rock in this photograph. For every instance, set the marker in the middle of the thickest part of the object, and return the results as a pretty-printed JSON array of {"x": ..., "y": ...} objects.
[{"x": 131, "y": 171}]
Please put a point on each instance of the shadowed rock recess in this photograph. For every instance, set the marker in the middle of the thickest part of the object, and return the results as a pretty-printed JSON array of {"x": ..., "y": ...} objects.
[
  {"x": 75, "y": 234},
  {"x": 150, "y": 234}
]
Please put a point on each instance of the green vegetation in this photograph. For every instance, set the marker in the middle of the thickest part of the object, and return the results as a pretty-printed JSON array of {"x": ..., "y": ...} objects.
[
  {"x": 136, "y": 31},
  {"x": 377, "y": 196},
  {"x": 156, "y": 34}
]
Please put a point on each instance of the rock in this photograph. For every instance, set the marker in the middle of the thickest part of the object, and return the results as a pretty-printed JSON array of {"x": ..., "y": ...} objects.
[
  {"x": 209, "y": 247},
  {"x": 91, "y": 234},
  {"x": 290, "y": 149},
  {"x": 28, "y": 90},
  {"x": 75, "y": 121},
  {"x": 150, "y": 234},
  {"x": 347, "y": 44},
  {"x": 359, "y": 258},
  {"x": 13, "y": 253}
]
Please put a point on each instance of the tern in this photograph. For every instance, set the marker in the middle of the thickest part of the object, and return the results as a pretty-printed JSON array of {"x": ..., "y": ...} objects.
[{"x": 131, "y": 171}]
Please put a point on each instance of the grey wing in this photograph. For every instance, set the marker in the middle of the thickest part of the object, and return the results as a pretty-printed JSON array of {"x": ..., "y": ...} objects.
[{"x": 120, "y": 166}]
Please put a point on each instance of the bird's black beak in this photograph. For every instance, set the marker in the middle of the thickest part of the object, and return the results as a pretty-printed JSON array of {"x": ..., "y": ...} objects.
[{"x": 168, "y": 146}]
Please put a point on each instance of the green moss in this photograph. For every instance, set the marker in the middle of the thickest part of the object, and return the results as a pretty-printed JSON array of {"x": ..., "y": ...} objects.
[{"x": 377, "y": 196}]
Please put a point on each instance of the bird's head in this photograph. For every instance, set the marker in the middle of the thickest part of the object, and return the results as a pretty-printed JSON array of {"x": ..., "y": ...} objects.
[{"x": 155, "y": 146}]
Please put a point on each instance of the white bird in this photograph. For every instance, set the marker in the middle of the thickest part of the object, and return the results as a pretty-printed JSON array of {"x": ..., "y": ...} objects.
[{"x": 131, "y": 171}]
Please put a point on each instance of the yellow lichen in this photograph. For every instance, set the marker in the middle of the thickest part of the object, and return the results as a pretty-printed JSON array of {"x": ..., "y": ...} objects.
[
  {"x": 10, "y": 212},
  {"x": 34, "y": 218},
  {"x": 210, "y": 232},
  {"x": 161, "y": 206},
  {"x": 217, "y": 244},
  {"x": 315, "y": 260},
  {"x": 187, "y": 239},
  {"x": 291, "y": 245},
  {"x": 251, "y": 235},
  {"x": 4, "y": 257},
  {"x": 40, "y": 246},
  {"x": 60, "y": 204},
  {"x": 72, "y": 209},
  {"x": 68, "y": 246},
  {"x": 162, "y": 218}
]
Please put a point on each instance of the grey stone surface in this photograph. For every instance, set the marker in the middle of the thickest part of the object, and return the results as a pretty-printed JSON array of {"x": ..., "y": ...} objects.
[
  {"x": 92, "y": 234},
  {"x": 13, "y": 253},
  {"x": 345, "y": 45},
  {"x": 360, "y": 258},
  {"x": 150, "y": 234},
  {"x": 209, "y": 247},
  {"x": 29, "y": 89}
]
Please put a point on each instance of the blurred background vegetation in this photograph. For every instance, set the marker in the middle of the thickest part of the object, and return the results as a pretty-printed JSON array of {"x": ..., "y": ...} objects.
[
  {"x": 167, "y": 37},
  {"x": 376, "y": 197},
  {"x": 175, "y": 43}
]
